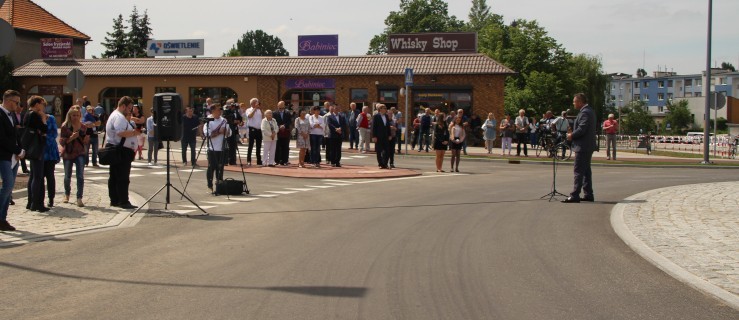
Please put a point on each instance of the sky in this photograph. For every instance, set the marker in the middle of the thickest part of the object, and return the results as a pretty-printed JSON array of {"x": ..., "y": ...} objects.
[{"x": 625, "y": 34}]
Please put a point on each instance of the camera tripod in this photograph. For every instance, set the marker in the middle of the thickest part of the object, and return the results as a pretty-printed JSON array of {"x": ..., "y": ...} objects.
[{"x": 168, "y": 185}]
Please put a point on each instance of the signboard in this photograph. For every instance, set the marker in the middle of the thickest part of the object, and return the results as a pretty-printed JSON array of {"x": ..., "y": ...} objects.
[
  {"x": 318, "y": 45},
  {"x": 451, "y": 42},
  {"x": 57, "y": 48},
  {"x": 75, "y": 80},
  {"x": 717, "y": 99},
  {"x": 408, "y": 77},
  {"x": 325, "y": 83},
  {"x": 188, "y": 47},
  {"x": 7, "y": 37}
]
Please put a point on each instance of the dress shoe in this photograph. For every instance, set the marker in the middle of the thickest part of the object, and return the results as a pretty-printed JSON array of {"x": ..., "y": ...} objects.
[
  {"x": 79, "y": 203},
  {"x": 571, "y": 200},
  {"x": 51, "y": 203},
  {"x": 392, "y": 166},
  {"x": 42, "y": 209},
  {"x": 113, "y": 204},
  {"x": 12, "y": 203},
  {"x": 338, "y": 165},
  {"x": 5, "y": 226},
  {"x": 127, "y": 206},
  {"x": 588, "y": 199},
  {"x": 66, "y": 199}
]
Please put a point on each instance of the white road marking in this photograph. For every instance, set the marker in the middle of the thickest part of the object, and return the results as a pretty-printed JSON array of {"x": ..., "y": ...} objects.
[
  {"x": 282, "y": 192},
  {"x": 322, "y": 187},
  {"x": 300, "y": 189},
  {"x": 219, "y": 202},
  {"x": 195, "y": 207}
]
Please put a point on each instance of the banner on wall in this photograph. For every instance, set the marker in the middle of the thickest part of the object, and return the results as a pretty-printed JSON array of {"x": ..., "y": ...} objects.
[
  {"x": 57, "y": 48},
  {"x": 318, "y": 45}
]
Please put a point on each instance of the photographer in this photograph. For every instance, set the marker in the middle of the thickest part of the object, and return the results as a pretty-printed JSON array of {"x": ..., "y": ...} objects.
[{"x": 234, "y": 119}]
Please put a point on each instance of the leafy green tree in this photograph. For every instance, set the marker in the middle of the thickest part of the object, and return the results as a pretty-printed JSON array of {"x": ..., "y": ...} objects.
[
  {"x": 727, "y": 66},
  {"x": 678, "y": 116},
  {"x": 6, "y": 73},
  {"x": 480, "y": 16},
  {"x": 636, "y": 118},
  {"x": 586, "y": 75},
  {"x": 115, "y": 42},
  {"x": 641, "y": 73},
  {"x": 139, "y": 34},
  {"x": 416, "y": 16},
  {"x": 540, "y": 94},
  {"x": 257, "y": 43}
]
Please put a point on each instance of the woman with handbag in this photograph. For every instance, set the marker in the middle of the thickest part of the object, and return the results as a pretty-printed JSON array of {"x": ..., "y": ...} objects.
[
  {"x": 269, "y": 137},
  {"x": 137, "y": 116},
  {"x": 34, "y": 142},
  {"x": 73, "y": 139},
  {"x": 302, "y": 139},
  {"x": 51, "y": 158}
]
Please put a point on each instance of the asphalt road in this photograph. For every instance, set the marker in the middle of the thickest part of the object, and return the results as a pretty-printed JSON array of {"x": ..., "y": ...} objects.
[{"x": 479, "y": 245}]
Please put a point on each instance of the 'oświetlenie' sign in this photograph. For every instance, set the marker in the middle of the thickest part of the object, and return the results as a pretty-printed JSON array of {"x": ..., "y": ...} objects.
[
  {"x": 189, "y": 47},
  {"x": 451, "y": 42}
]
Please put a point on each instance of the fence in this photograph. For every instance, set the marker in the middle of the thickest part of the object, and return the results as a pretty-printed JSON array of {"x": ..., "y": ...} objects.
[{"x": 682, "y": 144}]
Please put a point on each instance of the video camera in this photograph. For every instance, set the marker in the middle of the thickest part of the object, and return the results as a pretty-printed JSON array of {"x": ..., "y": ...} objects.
[{"x": 229, "y": 113}]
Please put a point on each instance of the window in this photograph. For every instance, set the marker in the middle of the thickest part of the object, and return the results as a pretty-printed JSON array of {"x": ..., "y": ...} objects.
[
  {"x": 722, "y": 80},
  {"x": 613, "y": 87},
  {"x": 669, "y": 96},
  {"x": 217, "y": 95},
  {"x": 660, "y": 109},
  {"x": 620, "y": 98},
  {"x": 636, "y": 85},
  {"x": 109, "y": 97},
  {"x": 613, "y": 98},
  {"x": 660, "y": 96},
  {"x": 669, "y": 83},
  {"x": 698, "y": 94},
  {"x": 359, "y": 95},
  {"x": 688, "y": 82},
  {"x": 306, "y": 98},
  {"x": 646, "y": 84},
  {"x": 637, "y": 97},
  {"x": 444, "y": 100},
  {"x": 660, "y": 84},
  {"x": 699, "y": 82},
  {"x": 165, "y": 90},
  {"x": 646, "y": 97}
]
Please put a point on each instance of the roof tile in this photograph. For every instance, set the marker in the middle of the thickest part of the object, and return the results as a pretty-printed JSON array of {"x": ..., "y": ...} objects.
[{"x": 26, "y": 15}]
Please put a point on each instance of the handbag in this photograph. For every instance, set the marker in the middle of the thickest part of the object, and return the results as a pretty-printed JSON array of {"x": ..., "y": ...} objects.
[
  {"x": 31, "y": 141},
  {"x": 111, "y": 154},
  {"x": 230, "y": 186}
]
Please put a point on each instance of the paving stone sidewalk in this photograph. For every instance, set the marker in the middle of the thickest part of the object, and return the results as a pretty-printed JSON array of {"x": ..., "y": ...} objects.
[
  {"x": 694, "y": 226},
  {"x": 64, "y": 218}
]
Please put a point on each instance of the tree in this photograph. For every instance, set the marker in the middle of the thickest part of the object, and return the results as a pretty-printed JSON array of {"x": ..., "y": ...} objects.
[
  {"x": 641, "y": 73},
  {"x": 637, "y": 119},
  {"x": 587, "y": 76},
  {"x": 6, "y": 73},
  {"x": 480, "y": 16},
  {"x": 727, "y": 66},
  {"x": 138, "y": 36},
  {"x": 115, "y": 42},
  {"x": 257, "y": 43},
  {"x": 416, "y": 16},
  {"x": 678, "y": 115}
]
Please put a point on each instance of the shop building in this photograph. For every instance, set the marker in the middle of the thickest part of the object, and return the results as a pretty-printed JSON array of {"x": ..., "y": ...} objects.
[{"x": 473, "y": 82}]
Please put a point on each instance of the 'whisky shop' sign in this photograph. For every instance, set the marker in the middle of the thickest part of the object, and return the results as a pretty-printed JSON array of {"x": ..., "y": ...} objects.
[{"x": 452, "y": 42}]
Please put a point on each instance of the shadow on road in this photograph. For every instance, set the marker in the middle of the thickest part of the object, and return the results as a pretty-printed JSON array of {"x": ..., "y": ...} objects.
[{"x": 324, "y": 291}]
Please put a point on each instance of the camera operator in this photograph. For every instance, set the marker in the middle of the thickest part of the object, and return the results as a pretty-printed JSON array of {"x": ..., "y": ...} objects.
[
  {"x": 254, "y": 122},
  {"x": 217, "y": 128},
  {"x": 234, "y": 119}
]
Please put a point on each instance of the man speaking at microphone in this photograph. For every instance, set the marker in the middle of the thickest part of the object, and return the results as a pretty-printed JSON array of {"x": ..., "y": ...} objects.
[
  {"x": 583, "y": 144},
  {"x": 215, "y": 131}
]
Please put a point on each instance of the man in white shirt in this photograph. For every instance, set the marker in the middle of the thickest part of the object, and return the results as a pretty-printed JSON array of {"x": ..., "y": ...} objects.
[
  {"x": 254, "y": 116},
  {"x": 117, "y": 129},
  {"x": 215, "y": 131}
]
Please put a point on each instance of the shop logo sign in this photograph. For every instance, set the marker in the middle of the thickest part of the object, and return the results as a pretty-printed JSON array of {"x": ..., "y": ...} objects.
[
  {"x": 190, "y": 47},
  {"x": 318, "y": 45}
]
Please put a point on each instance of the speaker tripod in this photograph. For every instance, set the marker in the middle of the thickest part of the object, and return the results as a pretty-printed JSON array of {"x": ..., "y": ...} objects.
[
  {"x": 167, "y": 186},
  {"x": 554, "y": 192}
]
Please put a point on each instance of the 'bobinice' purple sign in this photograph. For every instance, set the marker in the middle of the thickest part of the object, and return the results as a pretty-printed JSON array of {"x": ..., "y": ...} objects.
[
  {"x": 325, "y": 83},
  {"x": 318, "y": 45}
]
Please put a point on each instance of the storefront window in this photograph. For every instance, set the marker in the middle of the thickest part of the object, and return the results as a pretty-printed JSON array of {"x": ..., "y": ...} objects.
[
  {"x": 217, "y": 95},
  {"x": 109, "y": 97},
  {"x": 444, "y": 100},
  {"x": 298, "y": 98}
]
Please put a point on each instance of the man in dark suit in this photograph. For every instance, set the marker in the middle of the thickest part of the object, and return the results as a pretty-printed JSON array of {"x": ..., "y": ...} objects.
[
  {"x": 381, "y": 136},
  {"x": 336, "y": 123},
  {"x": 583, "y": 144},
  {"x": 284, "y": 121},
  {"x": 10, "y": 153}
]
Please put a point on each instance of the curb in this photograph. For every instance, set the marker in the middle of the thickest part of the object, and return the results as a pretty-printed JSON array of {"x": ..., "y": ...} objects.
[
  {"x": 658, "y": 260},
  {"x": 121, "y": 220}
]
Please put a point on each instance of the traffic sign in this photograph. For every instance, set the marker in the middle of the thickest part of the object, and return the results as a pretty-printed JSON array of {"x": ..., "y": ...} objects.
[
  {"x": 7, "y": 37},
  {"x": 408, "y": 76},
  {"x": 75, "y": 79},
  {"x": 718, "y": 99}
]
